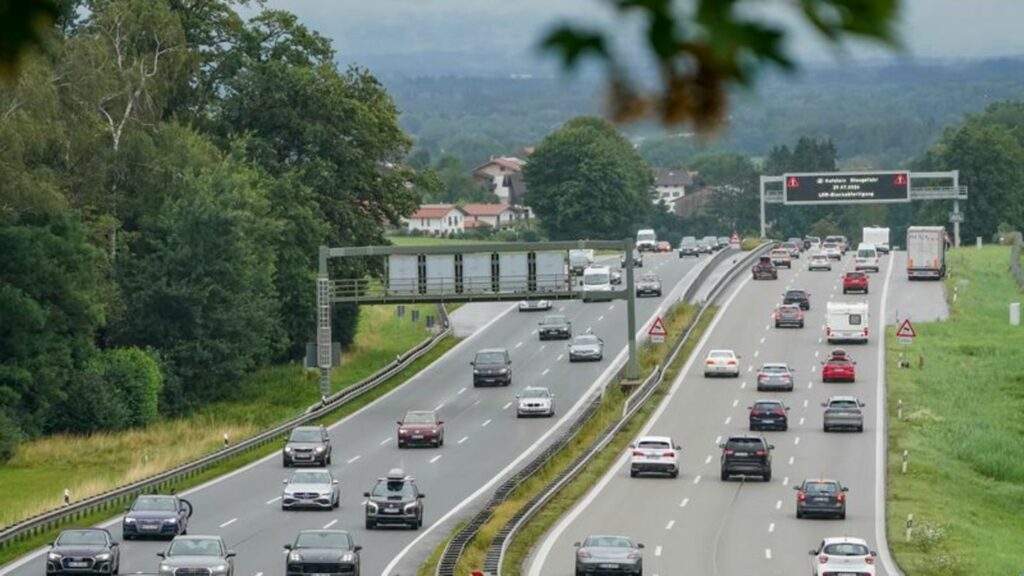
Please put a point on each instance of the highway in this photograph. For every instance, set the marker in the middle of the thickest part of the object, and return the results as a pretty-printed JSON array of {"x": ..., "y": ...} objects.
[
  {"x": 484, "y": 441},
  {"x": 698, "y": 524}
]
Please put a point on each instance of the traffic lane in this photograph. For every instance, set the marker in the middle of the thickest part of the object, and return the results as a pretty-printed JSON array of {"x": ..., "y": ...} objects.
[
  {"x": 252, "y": 521},
  {"x": 920, "y": 300},
  {"x": 820, "y": 283}
]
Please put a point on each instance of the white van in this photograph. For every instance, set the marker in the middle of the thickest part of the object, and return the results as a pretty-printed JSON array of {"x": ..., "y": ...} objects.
[
  {"x": 847, "y": 322},
  {"x": 646, "y": 240},
  {"x": 866, "y": 258},
  {"x": 596, "y": 279}
]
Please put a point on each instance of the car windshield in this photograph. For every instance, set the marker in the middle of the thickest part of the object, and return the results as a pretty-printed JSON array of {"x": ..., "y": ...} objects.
[
  {"x": 642, "y": 236},
  {"x": 649, "y": 277},
  {"x": 841, "y": 361},
  {"x": 82, "y": 538},
  {"x": 775, "y": 368},
  {"x": 554, "y": 320},
  {"x": 534, "y": 393},
  {"x": 608, "y": 542},
  {"x": 323, "y": 540},
  {"x": 654, "y": 444},
  {"x": 490, "y": 358},
  {"x": 795, "y": 294},
  {"x": 821, "y": 487},
  {"x": 393, "y": 489},
  {"x": 843, "y": 404},
  {"x": 194, "y": 547},
  {"x": 866, "y": 253},
  {"x": 767, "y": 406},
  {"x": 745, "y": 444},
  {"x": 779, "y": 252},
  {"x": 689, "y": 241},
  {"x": 595, "y": 279},
  {"x": 585, "y": 340},
  {"x": 307, "y": 435},
  {"x": 418, "y": 418},
  {"x": 155, "y": 503},
  {"x": 855, "y": 275},
  {"x": 720, "y": 354},
  {"x": 846, "y": 549},
  {"x": 789, "y": 309},
  {"x": 311, "y": 477}
]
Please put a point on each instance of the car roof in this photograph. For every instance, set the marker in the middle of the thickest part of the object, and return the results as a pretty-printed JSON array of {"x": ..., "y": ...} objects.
[
  {"x": 747, "y": 437},
  {"x": 86, "y": 529},
  {"x": 845, "y": 540},
  {"x": 843, "y": 398},
  {"x": 536, "y": 388},
  {"x": 323, "y": 531},
  {"x": 722, "y": 350},
  {"x": 431, "y": 412},
  {"x": 775, "y": 365},
  {"x": 486, "y": 350},
  {"x": 667, "y": 439},
  {"x": 767, "y": 401},
  {"x": 198, "y": 537},
  {"x": 800, "y": 290},
  {"x": 822, "y": 480}
]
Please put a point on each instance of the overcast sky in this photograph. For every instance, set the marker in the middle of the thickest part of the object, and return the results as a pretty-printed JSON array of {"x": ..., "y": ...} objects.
[{"x": 478, "y": 30}]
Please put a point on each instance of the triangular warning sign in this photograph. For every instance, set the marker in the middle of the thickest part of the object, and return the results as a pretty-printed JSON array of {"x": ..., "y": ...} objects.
[
  {"x": 906, "y": 330},
  {"x": 792, "y": 182},
  {"x": 658, "y": 328}
]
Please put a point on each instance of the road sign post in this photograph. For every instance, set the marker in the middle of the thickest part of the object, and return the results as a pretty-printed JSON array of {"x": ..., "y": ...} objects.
[{"x": 657, "y": 332}]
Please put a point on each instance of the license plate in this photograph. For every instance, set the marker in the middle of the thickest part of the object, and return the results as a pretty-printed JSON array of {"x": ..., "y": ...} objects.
[
  {"x": 150, "y": 527},
  {"x": 653, "y": 456},
  {"x": 769, "y": 421},
  {"x": 610, "y": 566},
  {"x": 320, "y": 574},
  {"x": 742, "y": 454},
  {"x": 417, "y": 436},
  {"x": 392, "y": 508},
  {"x": 78, "y": 564}
]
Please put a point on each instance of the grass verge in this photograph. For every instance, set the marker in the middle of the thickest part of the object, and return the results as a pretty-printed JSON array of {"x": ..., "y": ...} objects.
[
  {"x": 241, "y": 460},
  {"x": 748, "y": 244},
  {"x": 962, "y": 429},
  {"x": 679, "y": 318}
]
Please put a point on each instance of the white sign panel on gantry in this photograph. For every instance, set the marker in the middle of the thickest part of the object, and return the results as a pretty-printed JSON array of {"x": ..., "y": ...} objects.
[
  {"x": 403, "y": 274},
  {"x": 551, "y": 274},
  {"x": 440, "y": 273},
  {"x": 513, "y": 273},
  {"x": 476, "y": 273}
]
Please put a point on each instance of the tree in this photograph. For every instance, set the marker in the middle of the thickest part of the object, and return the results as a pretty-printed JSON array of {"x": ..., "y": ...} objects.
[
  {"x": 586, "y": 181},
  {"x": 457, "y": 184},
  {"x": 809, "y": 155},
  {"x": 734, "y": 184}
]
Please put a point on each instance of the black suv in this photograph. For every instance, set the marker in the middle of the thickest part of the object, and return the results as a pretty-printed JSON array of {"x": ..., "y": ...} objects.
[
  {"x": 769, "y": 415},
  {"x": 307, "y": 445},
  {"x": 554, "y": 326},
  {"x": 394, "y": 501},
  {"x": 322, "y": 552},
  {"x": 801, "y": 298},
  {"x": 86, "y": 551},
  {"x": 492, "y": 366},
  {"x": 747, "y": 456}
]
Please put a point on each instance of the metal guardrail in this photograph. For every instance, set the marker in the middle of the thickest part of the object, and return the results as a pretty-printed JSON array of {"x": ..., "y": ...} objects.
[
  {"x": 114, "y": 500},
  {"x": 499, "y": 546}
]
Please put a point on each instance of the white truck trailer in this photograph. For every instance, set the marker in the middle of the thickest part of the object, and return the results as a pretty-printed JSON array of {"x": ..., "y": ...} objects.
[{"x": 926, "y": 252}]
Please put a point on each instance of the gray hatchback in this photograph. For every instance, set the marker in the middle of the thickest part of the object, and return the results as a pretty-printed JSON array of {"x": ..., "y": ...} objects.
[{"x": 821, "y": 497}]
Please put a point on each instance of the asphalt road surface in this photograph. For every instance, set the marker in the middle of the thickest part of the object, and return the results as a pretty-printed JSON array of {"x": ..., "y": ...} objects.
[
  {"x": 483, "y": 442},
  {"x": 698, "y": 524}
]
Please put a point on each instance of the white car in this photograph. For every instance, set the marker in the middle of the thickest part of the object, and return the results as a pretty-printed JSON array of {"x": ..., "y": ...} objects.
[
  {"x": 654, "y": 455},
  {"x": 819, "y": 262},
  {"x": 838, "y": 556},
  {"x": 532, "y": 305},
  {"x": 833, "y": 251},
  {"x": 722, "y": 363},
  {"x": 535, "y": 401}
]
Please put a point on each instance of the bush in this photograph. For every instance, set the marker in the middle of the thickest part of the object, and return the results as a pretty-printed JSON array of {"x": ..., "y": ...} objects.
[
  {"x": 92, "y": 404},
  {"x": 137, "y": 376},
  {"x": 10, "y": 436}
]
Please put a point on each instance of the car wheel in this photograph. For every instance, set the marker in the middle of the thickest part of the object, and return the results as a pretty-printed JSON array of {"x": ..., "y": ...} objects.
[
  {"x": 337, "y": 503},
  {"x": 633, "y": 473},
  {"x": 725, "y": 476},
  {"x": 785, "y": 427},
  {"x": 401, "y": 444},
  {"x": 860, "y": 428},
  {"x": 799, "y": 514},
  {"x": 776, "y": 324},
  {"x": 441, "y": 443},
  {"x": 327, "y": 460},
  {"x": 370, "y": 524},
  {"x": 842, "y": 515},
  {"x": 126, "y": 536},
  {"x": 801, "y": 325},
  {"x": 865, "y": 291},
  {"x": 826, "y": 428},
  {"x": 674, "y": 474},
  {"x": 284, "y": 462},
  {"x": 283, "y": 507},
  {"x": 768, "y": 476}
]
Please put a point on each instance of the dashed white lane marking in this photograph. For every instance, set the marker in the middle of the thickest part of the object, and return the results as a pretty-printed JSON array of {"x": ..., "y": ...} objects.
[
  {"x": 229, "y": 523},
  {"x": 778, "y": 505},
  {"x": 486, "y": 422},
  {"x": 728, "y": 420},
  {"x": 816, "y": 353},
  {"x": 519, "y": 344},
  {"x": 352, "y": 459},
  {"x": 534, "y": 332},
  {"x": 791, "y": 460},
  {"x": 505, "y": 407},
  {"x": 477, "y": 402},
  {"x": 708, "y": 459},
  {"x": 718, "y": 440},
  {"x": 767, "y": 326},
  {"x": 814, "y": 368},
  {"x": 696, "y": 479},
  {"x": 796, "y": 441},
  {"x": 436, "y": 458},
  {"x": 743, "y": 386},
  {"x": 684, "y": 502},
  {"x": 461, "y": 390},
  {"x": 771, "y": 527},
  {"x": 735, "y": 403},
  {"x": 801, "y": 421},
  {"x": 767, "y": 553},
  {"x": 385, "y": 441},
  {"x": 670, "y": 524},
  {"x": 810, "y": 385},
  {"x": 750, "y": 368},
  {"x": 612, "y": 307},
  {"x": 601, "y": 317},
  {"x": 757, "y": 353},
  {"x": 785, "y": 481},
  {"x": 805, "y": 403},
  {"x": 657, "y": 550},
  {"x": 438, "y": 407},
  {"x": 272, "y": 500},
  {"x": 542, "y": 347},
  {"x": 561, "y": 308},
  {"x": 464, "y": 438},
  {"x": 331, "y": 523},
  {"x": 560, "y": 356},
  {"x": 763, "y": 339},
  {"x": 545, "y": 372},
  {"x": 820, "y": 340}
]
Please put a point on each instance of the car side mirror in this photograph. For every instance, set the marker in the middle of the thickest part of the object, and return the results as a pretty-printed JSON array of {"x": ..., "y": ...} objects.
[
  {"x": 873, "y": 553},
  {"x": 845, "y": 489},
  {"x": 576, "y": 544},
  {"x": 439, "y": 422},
  {"x": 786, "y": 408},
  {"x": 128, "y": 509},
  {"x": 421, "y": 495},
  {"x": 812, "y": 552},
  {"x": 796, "y": 488},
  {"x": 472, "y": 363},
  {"x": 334, "y": 482},
  {"x": 639, "y": 545},
  {"x": 750, "y": 407},
  {"x": 399, "y": 422},
  {"x": 287, "y": 546},
  {"x": 824, "y": 404},
  {"x": 114, "y": 544},
  {"x": 771, "y": 446},
  {"x": 357, "y": 548},
  {"x": 230, "y": 554},
  {"x": 161, "y": 554},
  {"x": 366, "y": 494},
  {"x": 854, "y": 363},
  {"x": 722, "y": 445},
  {"x": 632, "y": 445},
  {"x": 862, "y": 404},
  {"x": 50, "y": 543},
  {"x": 677, "y": 447},
  {"x": 285, "y": 481},
  {"x": 552, "y": 395}
]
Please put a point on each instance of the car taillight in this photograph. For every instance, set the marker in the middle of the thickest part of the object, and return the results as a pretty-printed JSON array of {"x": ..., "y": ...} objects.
[
  {"x": 823, "y": 559},
  {"x": 841, "y": 498},
  {"x": 785, "y": 376},
  {"x": 634, "y": 555},
  {"x": 865, "y": 332},
  {"x": 761, "y": 452},
  {"x": 732, "y": 362},
  {"x": 800, "y": 315},
  {"x": 729, "y": 452},
  {"x": 869, "y": 560},
  {"x": 828, "y": 331},
  {"x": 637, "y": 453},
  {"x": 709, "y": 362},
  {"x": 669, "y": 454},
  {"x": 801, "y": 496},
  {"x": 780, "y": 412}
]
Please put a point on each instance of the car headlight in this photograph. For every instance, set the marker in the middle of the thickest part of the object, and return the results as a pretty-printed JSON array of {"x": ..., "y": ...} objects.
[
  {"x": 104, "y": 556},
  {"x": 403, "y": 432},
  {"x": 319, "y": 449},
  {"x": 129, "y": 520},
  {"x": 171, "y": 520},
  {"x": 53, "y": 556},
  {"x": 295, "y": 557},
  {"x": 410, "y": 507},
  {"x": 164, "y": 569},
  {"x": 348, "y": 557},
  {"x": 288, "y": 449},
  {"x": 371, "y": 506},
  {"x": 503, "y": 371},
  {"x": 219, "y": 568}
]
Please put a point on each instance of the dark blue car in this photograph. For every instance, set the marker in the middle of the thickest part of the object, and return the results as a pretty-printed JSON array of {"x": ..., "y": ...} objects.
[{"x": 156, "y": 516}]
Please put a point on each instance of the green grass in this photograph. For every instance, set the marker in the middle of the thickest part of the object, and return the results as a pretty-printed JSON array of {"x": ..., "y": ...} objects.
[
  {"x": 608, "y": 413},
  {"x": 748, "y": 244},
  {"x": 432, "y": 241},
  {"x": 29, "y": 544},
  {"x": 963, "y": 429},
  {"x": 35, "y": 478}
]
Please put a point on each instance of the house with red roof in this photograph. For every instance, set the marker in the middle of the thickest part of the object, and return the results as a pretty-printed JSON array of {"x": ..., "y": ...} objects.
[
  {"x": 496, "y": 216},
  {"x": 496, "y": 174},
  {"x": 437, "y": 219}
]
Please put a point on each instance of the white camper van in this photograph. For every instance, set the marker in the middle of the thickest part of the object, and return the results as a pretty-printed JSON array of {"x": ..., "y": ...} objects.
[
  {"x": 878, "y": 236},
  {"x": 847, "y": 322},
  {"x": 596, "y": 279}
]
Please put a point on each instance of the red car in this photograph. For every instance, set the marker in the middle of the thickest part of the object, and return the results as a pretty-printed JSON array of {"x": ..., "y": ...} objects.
[
  {"x": 420, "y": 427},
  {"x": 839, "y": 368},
  {"x": 664, "y": 246},
  {"x": 855, "y": 282}
]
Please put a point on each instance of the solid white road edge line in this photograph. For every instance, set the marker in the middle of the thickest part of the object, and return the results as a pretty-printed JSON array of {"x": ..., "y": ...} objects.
[
  {"x": 881, "y": 440},
  {"x": 672, "y": 297},
  {"x": 536, "y": 563},
  {"x": 6, "y": 569}
]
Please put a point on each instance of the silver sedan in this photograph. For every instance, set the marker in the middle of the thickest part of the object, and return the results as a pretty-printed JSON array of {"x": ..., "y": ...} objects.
[
  {"x": 586, "y": 347},
  {"x": 311, "y": 489}
]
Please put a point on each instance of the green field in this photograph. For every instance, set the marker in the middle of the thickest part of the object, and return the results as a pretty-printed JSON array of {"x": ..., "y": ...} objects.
[
  {"x": 963, "y": 429},
  {"x": 35, "y": 479}
]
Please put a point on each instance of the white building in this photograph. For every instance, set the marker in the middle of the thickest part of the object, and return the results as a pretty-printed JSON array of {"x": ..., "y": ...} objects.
[
  {"x": 496, "y": 174},
  {"x": 496, "y": 216},
  {"x": 670, "y": 186},
  {"x": 437, "y": 219}
]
